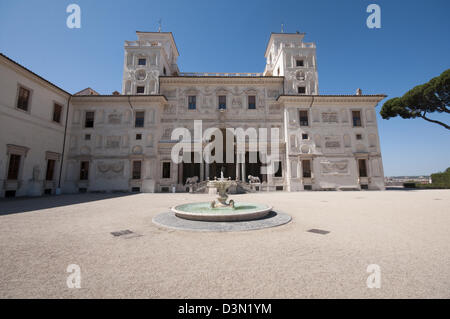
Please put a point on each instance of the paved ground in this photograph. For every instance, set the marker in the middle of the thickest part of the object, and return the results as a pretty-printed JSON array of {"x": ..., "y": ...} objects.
[{"x": 405, "y": 232}]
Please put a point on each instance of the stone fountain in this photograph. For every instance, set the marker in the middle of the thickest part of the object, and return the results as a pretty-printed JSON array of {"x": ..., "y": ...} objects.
[
  {"x": 222, "y": 186},
  {"x": 220, "y": 210}
]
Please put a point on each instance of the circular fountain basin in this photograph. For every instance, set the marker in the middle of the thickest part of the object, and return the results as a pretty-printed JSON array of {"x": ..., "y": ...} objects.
[{"x": 204, "y": 212}]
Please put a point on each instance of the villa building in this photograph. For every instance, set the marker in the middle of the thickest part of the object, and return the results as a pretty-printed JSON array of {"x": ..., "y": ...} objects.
[{"x": 52, "y": 141}]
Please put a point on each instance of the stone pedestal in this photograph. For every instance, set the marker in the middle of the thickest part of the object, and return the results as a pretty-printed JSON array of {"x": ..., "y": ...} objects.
[{"x": 212, "y": 190}]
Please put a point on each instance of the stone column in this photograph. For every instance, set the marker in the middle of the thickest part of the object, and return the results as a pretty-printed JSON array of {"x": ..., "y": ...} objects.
[
  {"x": 243, "y": 170},
  {"x": 180, "y": 173},
  {"x": 202, "y": 176}
]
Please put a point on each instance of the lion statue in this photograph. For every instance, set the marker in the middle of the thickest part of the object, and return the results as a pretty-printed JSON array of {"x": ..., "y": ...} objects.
[
  {"x": 192, "y": 180},
  {"x": 253, "y": 179}
]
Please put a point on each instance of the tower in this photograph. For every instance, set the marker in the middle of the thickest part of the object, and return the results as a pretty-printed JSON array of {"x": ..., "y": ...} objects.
[
  {"x": 154, "y": 54},
  {"x": 287, "y": 55}
]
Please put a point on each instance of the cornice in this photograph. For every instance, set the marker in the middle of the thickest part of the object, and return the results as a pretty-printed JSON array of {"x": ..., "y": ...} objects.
[
  {"x": 254, "y": 80},
  {"x": 375, "y": 98},
  {"x": 119, "y": 98}
]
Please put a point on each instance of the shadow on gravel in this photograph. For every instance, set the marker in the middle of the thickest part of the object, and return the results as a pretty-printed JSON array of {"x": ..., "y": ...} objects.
[{"x": 27, "y": 204}]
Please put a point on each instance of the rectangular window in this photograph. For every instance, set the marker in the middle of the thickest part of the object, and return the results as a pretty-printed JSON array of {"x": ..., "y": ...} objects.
[
  {"x": 222, "y": 102},
  {"x": 140, "y": 89},
  {"x": 89, "y": 119},
  {"x": 279, "y": 172},
  {"x": 84, "y": 171},
  {"x": 166, "y": 170},
  {"x": 301, "y": 90},
  {"x": 358, "y": 136},
  {"x": 192, "y": 102},
  {"x": 362, "y": 168},
  {"x": 87, "y": 137},
  {"x": 304, "y": 136},
  {"x": 50, "y": 170},
  {"x": 299, "y": 62},
  {"x": 139, "y": 120},
  {"x": 306, "y": 168},
  {"x": 251, "y": 102},
  {"x": 138, "y": 136},
  {"x": 23, "y": 99},
  {"x": 57, "y": 111},
  {"x": 137, "y": 169},
  {"x": 356, "y": 115},
  {"x": 142, "y": 61},
  {"x": 14, "y": 165},
  {"x": 304, "y": 121}
]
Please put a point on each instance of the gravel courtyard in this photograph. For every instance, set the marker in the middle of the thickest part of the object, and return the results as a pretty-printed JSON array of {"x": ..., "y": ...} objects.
[{"x": 406, "y": 233}]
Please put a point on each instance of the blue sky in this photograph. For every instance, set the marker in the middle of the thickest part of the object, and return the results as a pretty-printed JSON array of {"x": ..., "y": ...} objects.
[{"x": 411, "y": 47}]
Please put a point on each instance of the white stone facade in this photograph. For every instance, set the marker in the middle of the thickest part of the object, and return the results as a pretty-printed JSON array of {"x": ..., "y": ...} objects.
[{"x": 122, "y": 142}]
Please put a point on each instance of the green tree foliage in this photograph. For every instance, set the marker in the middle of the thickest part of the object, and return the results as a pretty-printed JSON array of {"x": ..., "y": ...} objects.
[
  {"x": 433, "y": 96},
  {"x": 439, "y": 181}
]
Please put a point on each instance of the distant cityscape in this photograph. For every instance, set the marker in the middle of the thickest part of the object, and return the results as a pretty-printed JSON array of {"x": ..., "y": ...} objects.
[{"x": 399, "y": 180}]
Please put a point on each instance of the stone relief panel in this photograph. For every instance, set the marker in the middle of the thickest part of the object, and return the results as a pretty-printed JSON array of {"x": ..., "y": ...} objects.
[
  {"x": 110, "y": 169},
  {"x": 334, "y": 167},
  {"x": 305, "y": 149},
  {"x": 115, "y": 118},
  {"x": 141, "y": 75},
  {"x": 112, "y": 142},
  {"x": 330, "y": 117},
  {"x": 332, "y": 142},
  {"x": 236, "y": 102}
]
